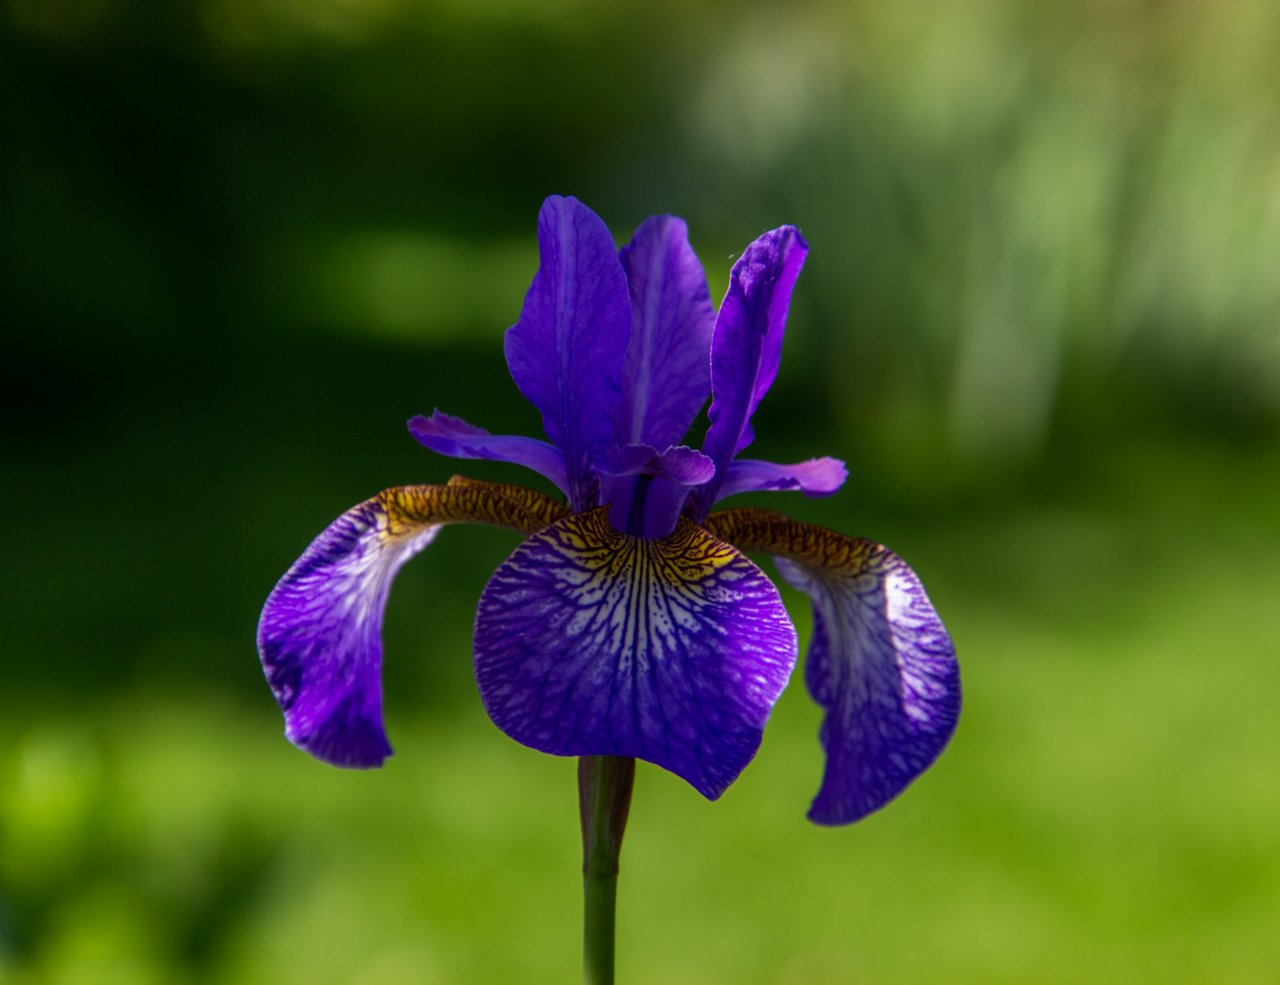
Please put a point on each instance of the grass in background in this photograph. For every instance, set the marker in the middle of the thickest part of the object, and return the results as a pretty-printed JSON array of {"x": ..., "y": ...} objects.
[
  {"x": 1104, "y": 814},
  {"x": 242, "y": 242}
]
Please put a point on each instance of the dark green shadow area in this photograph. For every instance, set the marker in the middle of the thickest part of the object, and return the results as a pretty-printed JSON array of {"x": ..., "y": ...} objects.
[{"x": 241, "y": 243}]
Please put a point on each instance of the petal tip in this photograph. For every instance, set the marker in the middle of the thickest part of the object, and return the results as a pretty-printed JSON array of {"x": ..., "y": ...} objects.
[
  {"x": 364, "y": 749},
  {"x": 830, "y": 474}
]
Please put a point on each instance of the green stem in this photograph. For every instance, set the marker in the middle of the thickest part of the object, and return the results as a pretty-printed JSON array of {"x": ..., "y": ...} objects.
[{"x": 604, "y": 798}]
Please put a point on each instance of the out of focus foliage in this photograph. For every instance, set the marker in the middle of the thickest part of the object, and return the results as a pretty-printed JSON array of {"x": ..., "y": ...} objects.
[{"x": 242, "y": 240}]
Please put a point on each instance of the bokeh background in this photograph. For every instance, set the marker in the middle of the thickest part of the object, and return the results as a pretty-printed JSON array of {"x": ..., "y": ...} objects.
[{"x": 241, "y": 241}]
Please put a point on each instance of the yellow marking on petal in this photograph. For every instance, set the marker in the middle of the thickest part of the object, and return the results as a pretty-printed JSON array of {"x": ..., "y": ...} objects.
[
  {"x": 589, "y": 641},
  {"x": 688, "y": 553},
  {"x": 774, "y": 533},
  {"x": 405, "y": 510},
  {"x": 537, "y": 505}
]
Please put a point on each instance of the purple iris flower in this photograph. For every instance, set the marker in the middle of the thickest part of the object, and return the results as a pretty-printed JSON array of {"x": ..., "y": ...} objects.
[{"x": 630, "y": 622}]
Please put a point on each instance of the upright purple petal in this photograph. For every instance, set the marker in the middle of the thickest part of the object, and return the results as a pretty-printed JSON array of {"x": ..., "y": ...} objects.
[
  {"x": 816, "y": 477},
  {"x": 452, "y": 436},
  {"x": 320, "y": 632},
  {"x": 747, "y": 347},
  {"x": 667, "y": 375},
  {"x": 566, "y": 352},
  {"x": 880, "y": 663},
  {"x": 590, "y": 642}
]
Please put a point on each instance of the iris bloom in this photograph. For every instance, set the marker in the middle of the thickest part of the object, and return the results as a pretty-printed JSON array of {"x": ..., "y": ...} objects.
[{"x": 629, "y": 622}]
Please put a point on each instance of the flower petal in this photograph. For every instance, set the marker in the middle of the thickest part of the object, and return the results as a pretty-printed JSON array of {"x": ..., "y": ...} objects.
[
  {"x": 747, "y": 347},
  {"x": 816, "y": 477},
  {"x": 679, "y": 462},
  {"x": 452, "y": 436},
  {"x": 646, "y": 489},
  {"x": 538, "y": 509},
  {"x": 880, "y": 663},
  {"x": 667, "y": 375},
  {"x": 320, "y": 632},
  {"x": 566, "y": 351},
  {"x": 590, "y": 642}
]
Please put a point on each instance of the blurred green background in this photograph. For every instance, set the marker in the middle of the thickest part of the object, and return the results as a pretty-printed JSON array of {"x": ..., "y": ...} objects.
[{"x": 241, "y": 241}]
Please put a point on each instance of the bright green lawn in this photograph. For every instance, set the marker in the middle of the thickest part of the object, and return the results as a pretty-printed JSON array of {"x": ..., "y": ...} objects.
[{"x": 1107, "y": 812}]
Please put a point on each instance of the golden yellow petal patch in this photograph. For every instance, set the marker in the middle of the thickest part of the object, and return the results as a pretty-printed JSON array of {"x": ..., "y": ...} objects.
[
  {"x": 774, "y": 533},
  {"x": 539, "y": 506},
  {"x": 406, "y": 509}
]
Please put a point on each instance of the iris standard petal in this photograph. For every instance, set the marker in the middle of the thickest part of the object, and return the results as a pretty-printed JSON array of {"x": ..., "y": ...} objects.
[
  {"x": 566, "y": 351},
  {"x": 454, "y": 437},
  {"x": 747, "y": 347},
  {"x": 881, "y": 663},
  {"x": 666, "y": 376},
  {"x": 590, "y": 642},
  {"x": 816, "y": 477},
  {"x": 320, "y": 632}
]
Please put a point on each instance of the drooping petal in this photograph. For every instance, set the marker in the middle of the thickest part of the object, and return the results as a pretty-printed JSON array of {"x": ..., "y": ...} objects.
[
  {"x": 539, "y": 510},
  {"x": 881, "y": 663},
  {"x": 747, "y": 347},
  {"x": 646, "y": 489},
  {"x": 319, "y": 636},
  {"x": 667, "y": 375},
  {"x": 566, "y": 352},
  {"x": 452, "y": 436},
  {"x": 816, "y": 477},
  {"x": 591, "y": 642}
]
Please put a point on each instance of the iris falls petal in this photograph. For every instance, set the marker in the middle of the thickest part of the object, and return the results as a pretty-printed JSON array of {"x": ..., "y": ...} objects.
[
  {"x": 592, "y": 642},
  {"x": 881, "y": 663},
  {"x": 566, "y": 351},
  {"x": 319, "y": 636}
]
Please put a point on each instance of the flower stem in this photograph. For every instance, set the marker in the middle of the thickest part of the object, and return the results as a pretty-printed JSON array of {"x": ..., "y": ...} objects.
[{"x": 604, "y": 798}]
